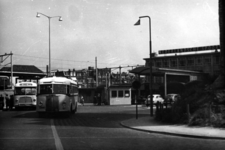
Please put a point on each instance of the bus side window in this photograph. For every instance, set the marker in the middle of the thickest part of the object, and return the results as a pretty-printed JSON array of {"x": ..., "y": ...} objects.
[
  {"x": 68, "y": 89},
  {"x": 73, "y": 91}
]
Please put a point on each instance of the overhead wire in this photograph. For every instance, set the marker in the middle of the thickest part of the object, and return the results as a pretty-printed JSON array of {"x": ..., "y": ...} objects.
[{"x": 69, "y": 61}]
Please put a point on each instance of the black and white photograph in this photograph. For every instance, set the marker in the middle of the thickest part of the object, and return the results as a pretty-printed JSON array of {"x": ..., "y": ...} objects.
[{"x": 112, "y": 75}]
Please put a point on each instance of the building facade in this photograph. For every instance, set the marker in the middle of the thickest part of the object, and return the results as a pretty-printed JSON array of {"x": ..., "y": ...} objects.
[{"x": 206, "y": 62}]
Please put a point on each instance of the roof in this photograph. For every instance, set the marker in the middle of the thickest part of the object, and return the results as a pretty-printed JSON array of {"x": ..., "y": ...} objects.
[
  {"x": 23, "y": 69},
  {"x": 56, "y": 80},
  {"x": 179, "y": 55},
  {"x": 143, "y": 70}
]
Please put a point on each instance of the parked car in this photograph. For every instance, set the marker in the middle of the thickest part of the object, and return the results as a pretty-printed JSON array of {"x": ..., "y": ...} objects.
[
  {"x": 156, "y": 98},
  {"x": 141, "y": 100},
  {"x": 171, "y": 98}
]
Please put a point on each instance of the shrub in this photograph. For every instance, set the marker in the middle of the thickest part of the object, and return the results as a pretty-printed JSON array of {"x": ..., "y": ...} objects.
[{"x": 199, "y": 97}]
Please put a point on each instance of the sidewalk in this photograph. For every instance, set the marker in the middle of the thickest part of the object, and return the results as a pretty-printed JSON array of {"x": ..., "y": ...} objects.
[{"x": 148, "y": 124}]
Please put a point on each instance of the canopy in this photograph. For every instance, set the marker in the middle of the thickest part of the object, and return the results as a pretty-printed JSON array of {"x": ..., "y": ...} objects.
[{"x": 143, "y": 70}]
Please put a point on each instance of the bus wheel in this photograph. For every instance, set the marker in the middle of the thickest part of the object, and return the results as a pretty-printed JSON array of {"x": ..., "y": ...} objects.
[{"x": 75, "y": 109}]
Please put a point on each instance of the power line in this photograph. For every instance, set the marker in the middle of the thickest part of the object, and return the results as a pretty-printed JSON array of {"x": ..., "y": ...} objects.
[
  {"x": 68, "y": 60},
  {"x": 51, "y": 58}
]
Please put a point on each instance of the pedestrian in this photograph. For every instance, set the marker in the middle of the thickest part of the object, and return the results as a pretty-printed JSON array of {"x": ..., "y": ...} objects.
[
  {"x": 99, "y": 99},
  {"x": 7, "y": 100},
  {"x": 82, "y": 100},
  {"x": 11, "y": 102},
  {"x": 1, "y": 102},
  {"x": 95, "y": 100}
]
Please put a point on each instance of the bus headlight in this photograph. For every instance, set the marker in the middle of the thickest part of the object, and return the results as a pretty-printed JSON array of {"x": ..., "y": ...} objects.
[
  {"x": 40, "y": 104},
  {"x": 34, "y": 100}
]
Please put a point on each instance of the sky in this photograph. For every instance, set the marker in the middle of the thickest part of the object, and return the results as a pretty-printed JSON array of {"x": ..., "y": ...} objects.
[{"x": 102, "y": 29}]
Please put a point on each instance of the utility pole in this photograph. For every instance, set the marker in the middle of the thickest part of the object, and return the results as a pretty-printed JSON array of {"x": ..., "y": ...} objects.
[
  {"x": 150, "y": 61},
  {"x": 49, "y": 39},
  {"x": 109, "y": 77},
  {"x": 47, "y": 72},
  {"x": 11, "y": 63},
  {"x": 120, "y": 73},
  {"x": 11, "y": 70},
  {"x": 96, "y": 68}
]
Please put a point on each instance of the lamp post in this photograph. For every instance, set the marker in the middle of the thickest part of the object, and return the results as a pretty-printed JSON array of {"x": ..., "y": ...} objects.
[
  {"x": 49, "y": 18},
  {"x": 150, "y": 61}
]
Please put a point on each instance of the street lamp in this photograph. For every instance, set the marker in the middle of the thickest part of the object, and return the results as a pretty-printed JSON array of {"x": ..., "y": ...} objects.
[
  {"x": 49, "y": 18},
  {"x": 150, "y": 60}
]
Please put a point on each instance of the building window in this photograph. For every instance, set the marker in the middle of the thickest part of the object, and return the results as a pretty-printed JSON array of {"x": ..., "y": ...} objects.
[
  {"x": 114, "y": 93},
  {"x": 199, "y": 60},
  {"x": 173, "y": 63},
  {"x": 190, "y": 62},
  {"x": 127, "y": 93},
  {"x": 120, "y": 93},
  {"x": 207, "y": 60},
  {"x": 158, "y": 64},
  {"x": 153, "y": 63},
  {"x": 181, "y": 62},
  {"x": 165, "y": 63},
  {"x": 78, "y": 74}
]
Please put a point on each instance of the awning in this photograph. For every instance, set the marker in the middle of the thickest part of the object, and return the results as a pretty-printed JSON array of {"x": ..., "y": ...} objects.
[{"x": 145, "y": 70}]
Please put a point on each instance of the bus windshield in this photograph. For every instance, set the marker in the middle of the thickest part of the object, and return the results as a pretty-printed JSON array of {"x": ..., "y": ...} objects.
[
  {"x": 25, "y": 90},
  {"x": 52, "y": 89}
]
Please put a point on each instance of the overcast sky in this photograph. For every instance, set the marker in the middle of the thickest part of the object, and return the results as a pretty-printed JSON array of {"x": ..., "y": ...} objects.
[{"x": 103, "y": 29}]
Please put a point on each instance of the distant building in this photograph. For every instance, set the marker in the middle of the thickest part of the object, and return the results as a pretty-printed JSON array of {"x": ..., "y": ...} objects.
[
  {"x": 120, "y": 94},
  {"x": 22, "y": 73},
  {"x": 179, "y": 66},
  {"x": 206, "y": 62}
]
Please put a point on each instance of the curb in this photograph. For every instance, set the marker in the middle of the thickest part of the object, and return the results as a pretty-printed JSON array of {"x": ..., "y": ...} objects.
[{"x": 174, "y": 134}]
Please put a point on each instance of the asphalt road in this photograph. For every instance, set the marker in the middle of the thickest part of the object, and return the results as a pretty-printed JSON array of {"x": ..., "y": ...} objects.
[{"x": 92, "y": 128}]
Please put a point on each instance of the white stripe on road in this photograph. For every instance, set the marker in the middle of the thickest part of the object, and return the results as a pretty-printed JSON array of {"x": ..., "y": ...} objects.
[{"x": 58, "y": 143}]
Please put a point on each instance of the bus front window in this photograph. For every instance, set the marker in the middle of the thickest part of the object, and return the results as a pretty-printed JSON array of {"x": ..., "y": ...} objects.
[
  {"x": 46, "y": 89},
  {"x": 59, "y": 89},
  {"x": 53, "y": 89},
  {"x": 31, "y": 91},
  {"x": 25, "y": 91}
]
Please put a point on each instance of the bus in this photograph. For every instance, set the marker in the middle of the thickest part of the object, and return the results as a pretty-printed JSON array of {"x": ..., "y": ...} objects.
[
  {"x": 57, "y": 94},
  {"x": 25, "y": 95}
]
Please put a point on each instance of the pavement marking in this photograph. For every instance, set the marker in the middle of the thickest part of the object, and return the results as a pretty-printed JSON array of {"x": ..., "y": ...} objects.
[{"x": 58, "y": 143}]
